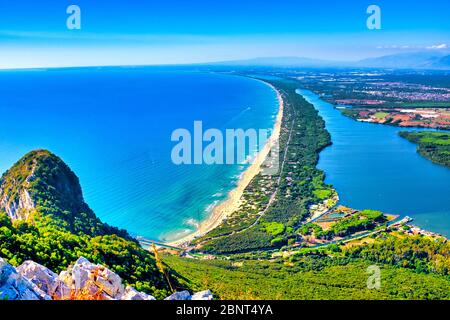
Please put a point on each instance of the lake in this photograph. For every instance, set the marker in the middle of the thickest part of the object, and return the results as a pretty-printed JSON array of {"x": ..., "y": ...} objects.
[{"x": 371, "y": 167}]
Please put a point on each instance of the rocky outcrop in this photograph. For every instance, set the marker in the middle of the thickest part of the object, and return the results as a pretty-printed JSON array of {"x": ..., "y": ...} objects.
[
  {"x": 185, "y": 295},
  {"x": 14, "y": 286},
  {"x": 203, "y": 295},
  {"x": 15, "y": 198},
  {"x": 92, "y": 280},
  {"x": 182, "y": 295},
  {"x": 83, "y": 281},
  {"x": 45, "y": 279},
  {"x": 17, "y": 210},
  {"x": 132, "y": 294}
]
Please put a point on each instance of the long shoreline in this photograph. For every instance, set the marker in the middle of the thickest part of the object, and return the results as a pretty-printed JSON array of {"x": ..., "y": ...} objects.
[{"x": 231, "y": 204}]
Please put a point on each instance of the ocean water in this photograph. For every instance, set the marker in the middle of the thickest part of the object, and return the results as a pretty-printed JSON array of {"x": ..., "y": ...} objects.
[
  {"x": 113, "y": 127},
  {"x": 372, "y": 167}
]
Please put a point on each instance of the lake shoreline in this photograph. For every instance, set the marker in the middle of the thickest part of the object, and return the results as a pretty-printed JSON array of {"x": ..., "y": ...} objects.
[
  {"x": 231, "y": 204},
  {"x": 384, "y": 140}
]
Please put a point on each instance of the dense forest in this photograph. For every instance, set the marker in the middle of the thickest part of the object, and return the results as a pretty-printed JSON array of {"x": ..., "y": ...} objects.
[
  {"x": 434, "y": 146},
  {"x": 410, "y": 268}
]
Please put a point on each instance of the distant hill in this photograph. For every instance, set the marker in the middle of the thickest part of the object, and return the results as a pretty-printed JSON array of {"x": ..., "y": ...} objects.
[
  {"x": 415, "y": 60},
  {"x": 279, "y": 62}
]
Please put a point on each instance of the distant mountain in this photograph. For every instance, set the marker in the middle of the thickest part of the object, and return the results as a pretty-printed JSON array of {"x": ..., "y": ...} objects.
[
  {"x": 280, "y": 62},
  {"x": 444, "y": 62},
  {"x": 416, "y": 60}
]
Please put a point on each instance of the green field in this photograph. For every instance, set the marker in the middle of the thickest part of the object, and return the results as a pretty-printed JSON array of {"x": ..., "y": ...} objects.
[{"x": 381, "y": 115}]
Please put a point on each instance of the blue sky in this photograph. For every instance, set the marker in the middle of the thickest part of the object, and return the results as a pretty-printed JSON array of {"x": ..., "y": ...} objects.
[{"x": 33, "y": 33}]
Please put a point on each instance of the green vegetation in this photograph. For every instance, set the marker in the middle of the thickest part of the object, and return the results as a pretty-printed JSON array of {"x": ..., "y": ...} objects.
[
  {"x": 61, "y": 227},
  {"x": 361, "y": 221},
  {"x": 372, "y": 214},
  {"x": 301, "y": 184},
  {"x": 311, "y": 229},
  {"x": 312, "y": 276},
  {"x": 412, "y": 267},
  {"x": 381, "y": 115},
  {"x": 274, "y": 228},
  {"x": 323, "y": 194},
  {"x": 350, "y": 112},
  {"x": 422, "y": 254},
  {"x": 56, "y": 193},
  {"x": 434, "y": 146}
]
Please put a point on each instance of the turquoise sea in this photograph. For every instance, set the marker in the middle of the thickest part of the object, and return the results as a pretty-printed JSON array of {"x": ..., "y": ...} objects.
[
  {"x": 113, "y": 127},
  {"x": 372, "y": 167}
]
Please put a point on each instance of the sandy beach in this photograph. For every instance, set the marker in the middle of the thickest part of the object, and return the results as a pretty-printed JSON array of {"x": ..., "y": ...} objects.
[{"x": 232, "y": 203}]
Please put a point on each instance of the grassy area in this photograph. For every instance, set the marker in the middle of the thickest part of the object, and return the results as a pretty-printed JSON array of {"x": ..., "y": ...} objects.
[
  {"x": 381, "y": 115},
  {"x": 323, "y": 194}
]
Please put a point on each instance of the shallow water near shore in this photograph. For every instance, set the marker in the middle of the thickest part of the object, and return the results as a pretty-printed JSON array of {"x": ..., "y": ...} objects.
[
  {"x": 372, "y": 167},
  {"x": 113, "y": 127}
]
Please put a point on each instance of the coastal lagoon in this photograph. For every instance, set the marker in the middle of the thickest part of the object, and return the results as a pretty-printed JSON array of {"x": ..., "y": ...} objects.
[
  {"x": 113, "y": 127},
  {"x": 372, "y": 167}
]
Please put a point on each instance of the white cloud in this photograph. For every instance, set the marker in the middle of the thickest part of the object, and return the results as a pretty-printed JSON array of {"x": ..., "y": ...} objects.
[
  {"x": 438, "y": 46},
  {"x": 394, "y": 46},
  {"x": 442, "y": 46}
]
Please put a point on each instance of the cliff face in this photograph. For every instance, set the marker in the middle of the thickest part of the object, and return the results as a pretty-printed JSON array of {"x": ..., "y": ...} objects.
[
  {"x": 18, "y": 208},
  {"x": 82, "y": 281}
]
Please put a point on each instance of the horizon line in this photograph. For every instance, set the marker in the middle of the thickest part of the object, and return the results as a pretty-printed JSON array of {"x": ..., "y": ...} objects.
[{"x": 224, "y": 62}]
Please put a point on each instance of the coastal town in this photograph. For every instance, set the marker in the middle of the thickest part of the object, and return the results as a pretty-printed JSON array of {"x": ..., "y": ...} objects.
[{"x": 377, "y": 89}]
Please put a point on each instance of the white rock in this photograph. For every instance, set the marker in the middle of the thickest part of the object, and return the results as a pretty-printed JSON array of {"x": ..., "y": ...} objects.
[
  {"x": 92, "y": 279},
  {"x": 133, "y": 294},
  {"x": 81, "y": 272},
  {"x": 15, "y": 287},
  {"x": 85, "y": 280},
  {"x": 45, "y": 279},
  {"x": 203, "y": 295},
  {"x": 182, "y": 295}
]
